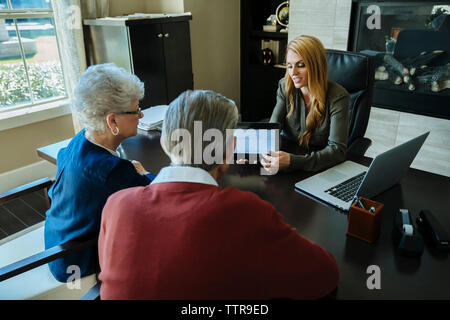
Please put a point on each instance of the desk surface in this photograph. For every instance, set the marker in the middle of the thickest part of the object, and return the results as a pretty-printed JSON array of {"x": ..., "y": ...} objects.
[{"x": 427, "y": 277}]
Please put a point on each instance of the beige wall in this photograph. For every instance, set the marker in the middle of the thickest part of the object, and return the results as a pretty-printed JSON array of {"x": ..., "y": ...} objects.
[
  {"x": 121, "y": 7},
  {"x": 215, "y": 42},
  {"x": 165, "y": 6},
  {"x": 19, "y": 144}
]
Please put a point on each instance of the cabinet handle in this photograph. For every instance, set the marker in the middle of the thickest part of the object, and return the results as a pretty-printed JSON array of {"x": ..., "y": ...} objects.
[
  {"x": 160, "y": 35},
  {"x": 166, "y": 35}
]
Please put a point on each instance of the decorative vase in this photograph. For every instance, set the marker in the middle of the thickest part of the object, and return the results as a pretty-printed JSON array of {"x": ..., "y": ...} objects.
[{"x": 390, "y": 45}]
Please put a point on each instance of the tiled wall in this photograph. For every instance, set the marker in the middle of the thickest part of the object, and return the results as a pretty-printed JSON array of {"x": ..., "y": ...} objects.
[
  {"x": 388, "y": 128},
  {"x": 327, "y": 20}
]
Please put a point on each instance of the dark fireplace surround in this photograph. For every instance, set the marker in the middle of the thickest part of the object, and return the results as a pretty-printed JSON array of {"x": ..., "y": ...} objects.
[{"x": 414, "y": 47}]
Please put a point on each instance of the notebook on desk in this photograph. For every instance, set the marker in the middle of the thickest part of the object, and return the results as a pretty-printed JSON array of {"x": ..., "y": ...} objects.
[
  {"x": 340, "y": 184},
  {"x": 153, "y": 117}
]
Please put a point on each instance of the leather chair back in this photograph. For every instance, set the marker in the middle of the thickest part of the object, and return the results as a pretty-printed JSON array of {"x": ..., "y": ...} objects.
[{"x": 355, "y": 72}]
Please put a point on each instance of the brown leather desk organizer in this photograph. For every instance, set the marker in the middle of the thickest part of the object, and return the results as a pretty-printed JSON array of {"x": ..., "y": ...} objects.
[{"x": 362, "y": 223}]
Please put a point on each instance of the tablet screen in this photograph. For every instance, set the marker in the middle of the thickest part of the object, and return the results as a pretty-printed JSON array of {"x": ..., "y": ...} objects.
[{"x": 256, "y": 138}]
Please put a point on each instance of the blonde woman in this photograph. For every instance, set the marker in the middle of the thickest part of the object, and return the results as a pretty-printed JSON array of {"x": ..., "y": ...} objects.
[{"x": 312, "y": 110}]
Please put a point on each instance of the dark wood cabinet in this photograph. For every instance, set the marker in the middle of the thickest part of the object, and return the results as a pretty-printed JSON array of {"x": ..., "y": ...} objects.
[
  {"x": 259, "y": 82},
  {"x": 157, "y": 50}
]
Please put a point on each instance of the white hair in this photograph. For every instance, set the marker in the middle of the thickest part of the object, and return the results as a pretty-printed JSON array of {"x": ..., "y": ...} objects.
[
  {"x": 212, "y": 110},
  {"x": 102, "y": 89}
]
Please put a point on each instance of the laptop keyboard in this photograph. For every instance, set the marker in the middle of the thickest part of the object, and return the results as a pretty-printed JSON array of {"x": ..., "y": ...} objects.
[{"x": 347, "y": 189}]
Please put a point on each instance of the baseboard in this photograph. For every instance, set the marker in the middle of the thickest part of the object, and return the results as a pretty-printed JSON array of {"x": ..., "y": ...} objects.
[{"x": 20, "y": 176}]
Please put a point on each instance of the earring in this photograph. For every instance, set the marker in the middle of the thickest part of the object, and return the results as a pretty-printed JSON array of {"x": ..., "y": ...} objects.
[{"x": 115, "y": 133}]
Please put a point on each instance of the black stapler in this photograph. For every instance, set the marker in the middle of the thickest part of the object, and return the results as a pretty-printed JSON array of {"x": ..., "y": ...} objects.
[
  {"x": 430, "y": 227},
  {"x": 406, "y": 239}
]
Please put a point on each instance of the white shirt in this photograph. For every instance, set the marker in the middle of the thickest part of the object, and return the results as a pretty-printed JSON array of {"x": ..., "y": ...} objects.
[{"x": 184, "y": 174}]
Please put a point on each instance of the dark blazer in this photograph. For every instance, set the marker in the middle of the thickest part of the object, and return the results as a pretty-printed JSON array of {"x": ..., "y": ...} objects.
[
  {"x": 328, "y": 145},
  {"x": 86, "y": 176}
]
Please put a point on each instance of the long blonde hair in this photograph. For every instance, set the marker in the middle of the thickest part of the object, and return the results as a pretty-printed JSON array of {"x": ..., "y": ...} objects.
[{"x": 314, "y": 56}]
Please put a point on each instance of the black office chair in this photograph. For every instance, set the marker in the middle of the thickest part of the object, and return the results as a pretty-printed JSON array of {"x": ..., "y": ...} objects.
[{"x": 355, "y": 72}]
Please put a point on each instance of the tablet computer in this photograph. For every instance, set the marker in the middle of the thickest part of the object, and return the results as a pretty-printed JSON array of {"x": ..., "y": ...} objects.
[{"x": 254, "y": 138}]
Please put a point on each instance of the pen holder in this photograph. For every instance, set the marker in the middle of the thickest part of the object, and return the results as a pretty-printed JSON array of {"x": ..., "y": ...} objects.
[{"x": 362, "y": 223}]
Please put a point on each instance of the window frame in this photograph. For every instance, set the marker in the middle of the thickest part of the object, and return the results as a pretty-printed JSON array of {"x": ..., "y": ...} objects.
[{"x": 42, "y": 107}]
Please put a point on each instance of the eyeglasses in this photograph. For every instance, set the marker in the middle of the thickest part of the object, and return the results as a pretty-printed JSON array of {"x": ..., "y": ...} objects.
[{"x": 138, "y": 111}]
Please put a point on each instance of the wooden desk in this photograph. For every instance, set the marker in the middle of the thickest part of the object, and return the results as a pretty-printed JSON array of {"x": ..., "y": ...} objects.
[
  {"x": 50, "y": 152},
  {"x": 401, "y": 278}
]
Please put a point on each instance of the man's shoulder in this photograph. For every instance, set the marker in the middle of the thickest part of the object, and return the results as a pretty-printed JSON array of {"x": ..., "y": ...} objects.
[
  {"x": 236, "y": 197},
  {"x": 126, "y": 197}
]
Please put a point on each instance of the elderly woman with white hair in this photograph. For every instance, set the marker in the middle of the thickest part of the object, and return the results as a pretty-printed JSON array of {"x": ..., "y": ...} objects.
[{"x": 89, "y": 169}]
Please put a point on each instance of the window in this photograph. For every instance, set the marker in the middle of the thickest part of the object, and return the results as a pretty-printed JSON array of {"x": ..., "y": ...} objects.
[{"x": 30, "y": 66}]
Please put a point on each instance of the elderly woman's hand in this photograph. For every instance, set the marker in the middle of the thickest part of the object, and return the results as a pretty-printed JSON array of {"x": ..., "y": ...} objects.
[{"x": 139, "y": 167}]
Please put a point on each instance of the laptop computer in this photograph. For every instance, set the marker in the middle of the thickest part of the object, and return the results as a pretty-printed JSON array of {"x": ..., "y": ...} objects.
[{"x": 340, "y": 184}]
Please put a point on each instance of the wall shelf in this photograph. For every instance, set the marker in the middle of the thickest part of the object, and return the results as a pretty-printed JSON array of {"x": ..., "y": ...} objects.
[
  {"x": 259, "y": 83},
  {"x": 268, "y": 35}
]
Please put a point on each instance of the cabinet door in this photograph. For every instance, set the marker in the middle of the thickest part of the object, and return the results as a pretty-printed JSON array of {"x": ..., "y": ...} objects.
[
  {"x": 177, "y": 52},
  {"x": 148, "y": 62}
]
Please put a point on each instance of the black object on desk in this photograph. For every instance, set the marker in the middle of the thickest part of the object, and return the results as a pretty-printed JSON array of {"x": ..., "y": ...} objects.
[
  {"x": 407, "y": 240},
  {"x": 433, "y": 230}
]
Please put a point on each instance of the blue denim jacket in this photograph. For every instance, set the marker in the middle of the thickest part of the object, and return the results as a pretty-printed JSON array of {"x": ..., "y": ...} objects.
[{"x": 86, "y": 176}]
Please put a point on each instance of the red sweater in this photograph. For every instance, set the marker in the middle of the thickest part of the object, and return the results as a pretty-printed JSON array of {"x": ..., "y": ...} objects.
[{"x": 179, "y": 240}]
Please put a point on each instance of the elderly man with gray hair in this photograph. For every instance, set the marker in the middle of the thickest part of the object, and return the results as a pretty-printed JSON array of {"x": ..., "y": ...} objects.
[
  {"x": 184, "y": 237},
  {"x": 106, "y": 101}
]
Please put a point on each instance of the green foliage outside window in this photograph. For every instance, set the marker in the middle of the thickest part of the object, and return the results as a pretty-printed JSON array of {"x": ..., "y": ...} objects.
[{"x": 46, "y": 81}]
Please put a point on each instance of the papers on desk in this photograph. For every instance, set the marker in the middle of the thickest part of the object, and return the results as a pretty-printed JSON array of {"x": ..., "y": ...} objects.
[{"x": 153, "y": 117}]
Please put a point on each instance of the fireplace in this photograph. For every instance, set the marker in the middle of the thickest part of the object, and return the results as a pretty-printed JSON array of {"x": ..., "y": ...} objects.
[{"x": 410, "y": 42}]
